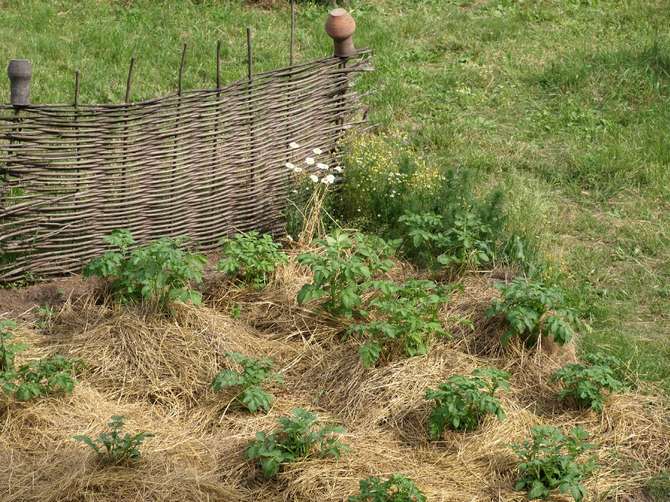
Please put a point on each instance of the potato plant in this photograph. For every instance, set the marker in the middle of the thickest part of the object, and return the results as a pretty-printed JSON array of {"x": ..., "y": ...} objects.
[
  {"x": 247, "y": 383},
  {"x": 296, "y": 439},
  {"x": 462, "y": 402},
  {"x": 404, "y": 316},
  {"x": 396, "y": 488},
  {"x": 549, "y": 461},
  {"x": 46, "y": 376},
  {"x": 533, "y": 310},
  {"x": 465, "y": 242},
  {"x": 342, "y": 269},
  {"x": 251, "y": 258},
  {"x": 156, "y": 274},
  {"x": 112, "y": 447},
  {"x": 587, "y": 384}
]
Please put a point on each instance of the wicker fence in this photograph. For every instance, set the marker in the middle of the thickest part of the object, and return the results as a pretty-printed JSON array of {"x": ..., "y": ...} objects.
[{"x": 202, "y": 164}]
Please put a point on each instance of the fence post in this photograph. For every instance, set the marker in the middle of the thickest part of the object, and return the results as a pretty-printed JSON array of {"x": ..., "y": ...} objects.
[
  {"x": 341, "y": 27},
  {"x": 20, "y": 71}
]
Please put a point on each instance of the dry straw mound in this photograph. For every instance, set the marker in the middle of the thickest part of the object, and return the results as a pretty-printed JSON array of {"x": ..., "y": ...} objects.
[{"x": 156, "y": 371}]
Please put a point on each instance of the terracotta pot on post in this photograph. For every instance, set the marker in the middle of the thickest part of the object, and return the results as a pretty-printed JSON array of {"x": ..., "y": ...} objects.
[
  {"x": 341, "y": 26},
  {"x": 20, "y": 72}
]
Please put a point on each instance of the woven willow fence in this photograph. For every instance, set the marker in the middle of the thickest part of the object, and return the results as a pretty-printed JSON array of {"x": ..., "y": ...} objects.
[{"x": 201, "y": 164}]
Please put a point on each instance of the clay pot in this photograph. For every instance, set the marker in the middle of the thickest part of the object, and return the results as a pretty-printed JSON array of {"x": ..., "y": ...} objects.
[
  {"x": 341, "y": 26},
  {"x": 20, "y": 71}
]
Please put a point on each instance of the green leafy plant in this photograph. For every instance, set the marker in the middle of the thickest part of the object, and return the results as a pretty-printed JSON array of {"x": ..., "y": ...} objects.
[
  {"x": 8, "y": 349},
  {"x": 296, "y": 439},
  {"x": 112, "y": 447},
  {"x": 251, "y": 258},
  {"x": 464, "y": 241},
  {"x": 248, "y": 382},
  {"x": 397, "y": 488},
  {"x": 45, "y": 317},
  {"x": 343, "y": 268},
  {"x": 405, "y": 317},
  {"x": 157, "y": 274},
  {"x": 42, "y": 377},
  {"x": 533, "y": 310},
  {"x": 586, "y": 384},
  {"x": 462, "y": 402},
  {"x": 549, "y": 461}
]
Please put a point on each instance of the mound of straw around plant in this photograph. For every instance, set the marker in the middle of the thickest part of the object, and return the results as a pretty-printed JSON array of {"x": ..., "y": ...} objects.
[
  {"x": 156, "y": 371},
  {"x": 168, "y": 361}
]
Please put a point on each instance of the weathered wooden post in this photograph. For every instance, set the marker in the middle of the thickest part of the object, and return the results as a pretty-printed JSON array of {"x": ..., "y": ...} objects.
[
  {"x": 341, "y": 27},
  {"x": 20, "y": 71}
]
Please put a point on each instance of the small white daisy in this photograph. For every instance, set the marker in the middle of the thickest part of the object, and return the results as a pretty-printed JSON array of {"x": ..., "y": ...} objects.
[
  {"x": 337, "y": 169},
  {"x": 322, "y": 166},
  {"x": 290, "y": 166},
  {"x": 297, "y": 169},
  {"x": 314, "y": 178},
  {"x": 328, "y": 180},
  {"x": 317, "y": 151},
  {"x": 309, "y": 161},
  {"x": 293, "y": 145}
]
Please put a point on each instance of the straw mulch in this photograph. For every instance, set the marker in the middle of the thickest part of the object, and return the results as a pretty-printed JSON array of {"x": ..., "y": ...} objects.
[{"x": 156, "y": 371}]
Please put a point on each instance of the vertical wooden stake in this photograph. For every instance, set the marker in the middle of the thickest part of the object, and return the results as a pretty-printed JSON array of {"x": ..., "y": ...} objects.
[
  {"x": 291, "y": 53},
  {"x": 76, "y": 88},
  {"x": 130, "y": 77},
  {"x": 181, "y": 69},
  {"x": 250, "y": 55},
  {"x": 218, "y": 64}
]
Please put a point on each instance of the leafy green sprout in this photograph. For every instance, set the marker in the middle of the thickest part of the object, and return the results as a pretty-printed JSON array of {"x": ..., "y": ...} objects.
[
  {"x": 49, "y": 375},
  {"x": 157, "y": 274},
  {"x": 586, "y": 384},
  {"x": 396, "y": 488},
  {"x": 533, "y": 310},
  {"x": 251, "y": 258},
  {"x": 297, "y": 438},
  {"x": 113, "y": 447},
  {"x": 343, "y": 268},
  {"x": 462, "y": 402},
  {"x": 404, "y": 316},
  {"x": 549, "y": 461},
  {"x": 248, "y": 382}
]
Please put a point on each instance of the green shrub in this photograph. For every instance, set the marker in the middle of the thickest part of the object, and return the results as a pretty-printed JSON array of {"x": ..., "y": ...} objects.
[
  {"x": 466, "y": 241},
  {"x": 8, "y": 349},
  {"x": 158, "y": 273},
  {"x": 397, "y": 488},
  {"x": 405, "y": 316},
  {"x": 533, "y": 310},
  {"x": 250, "y": 257},
  {"x": 342, "y": 269},
  {"x": 462, "y": 402},
  {"x": 248, "y": 382},
  {"x": 113, "y": 448},
  {"x": 296, "y": 439},
  {"x": 49, "y": 375},
  {"x": 549, "y": 462},
  {"x": 586, "y": 384}
]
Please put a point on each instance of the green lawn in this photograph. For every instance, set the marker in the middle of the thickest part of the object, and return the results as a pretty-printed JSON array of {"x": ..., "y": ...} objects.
[{"x": 564, "y": 104}]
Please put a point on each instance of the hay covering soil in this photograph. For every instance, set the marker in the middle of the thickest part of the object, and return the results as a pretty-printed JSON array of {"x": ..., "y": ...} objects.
[{"x": 156, "y": 372}]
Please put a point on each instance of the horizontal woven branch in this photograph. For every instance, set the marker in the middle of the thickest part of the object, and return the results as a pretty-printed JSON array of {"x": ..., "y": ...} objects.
[{"x": 203, "y": 164}]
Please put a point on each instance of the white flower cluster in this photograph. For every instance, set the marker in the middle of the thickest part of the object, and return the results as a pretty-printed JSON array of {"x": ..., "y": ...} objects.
[{"x": 327, "y": 179}]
